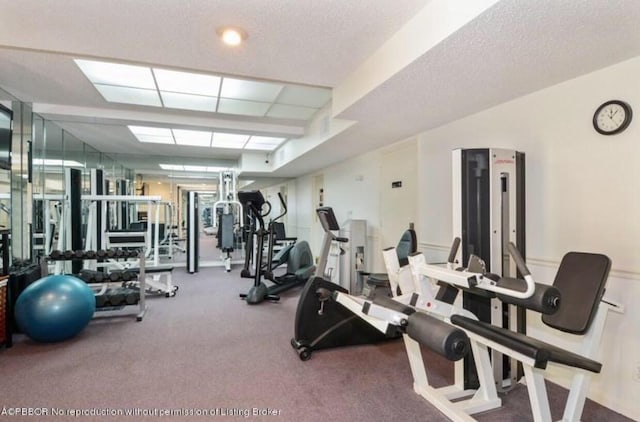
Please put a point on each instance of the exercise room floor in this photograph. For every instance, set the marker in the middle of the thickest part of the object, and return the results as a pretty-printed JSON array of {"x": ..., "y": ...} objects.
[{"x": 206, "y": 349}]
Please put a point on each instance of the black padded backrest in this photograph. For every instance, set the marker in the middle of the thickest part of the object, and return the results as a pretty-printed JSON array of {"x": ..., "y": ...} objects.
[
  {"x": 278, "y": 230},
  {"x": 581, "y": 279},
  {"x": 407, "y": 245}
]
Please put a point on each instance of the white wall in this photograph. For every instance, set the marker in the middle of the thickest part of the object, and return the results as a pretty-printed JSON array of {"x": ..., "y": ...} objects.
[{"x": 582, "y": 192}]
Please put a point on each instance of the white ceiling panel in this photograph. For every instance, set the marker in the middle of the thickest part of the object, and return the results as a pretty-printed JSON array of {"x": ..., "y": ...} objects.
[
  {"x": 194, "y": 138},
  {"x": 250, "y": 90},
  {"x": 188, "y": 101},
  {"x": 242, "y": 107},
  {"x": 228, "y": 140},
  {"x": 117, "y": 74},
  {"x": 187, "y": 83},
  {"x": 125, "y": 95}
]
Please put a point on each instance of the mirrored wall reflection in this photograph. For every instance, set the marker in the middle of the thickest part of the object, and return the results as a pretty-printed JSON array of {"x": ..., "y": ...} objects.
[
  {"x": 6, "y": 102},
  {"x": 55, "y": 150}
]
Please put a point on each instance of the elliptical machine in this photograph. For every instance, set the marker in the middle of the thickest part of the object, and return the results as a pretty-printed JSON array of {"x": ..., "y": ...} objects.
[
  {"x": 298, "y": 256},
  {"x": 322, "y": 323}
]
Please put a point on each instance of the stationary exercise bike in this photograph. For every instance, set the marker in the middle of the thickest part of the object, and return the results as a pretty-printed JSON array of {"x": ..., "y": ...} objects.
[{"x": 322, "y": 323}]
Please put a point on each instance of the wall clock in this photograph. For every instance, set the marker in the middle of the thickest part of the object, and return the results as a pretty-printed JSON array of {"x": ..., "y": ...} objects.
[{"x": 612, "y": 117}]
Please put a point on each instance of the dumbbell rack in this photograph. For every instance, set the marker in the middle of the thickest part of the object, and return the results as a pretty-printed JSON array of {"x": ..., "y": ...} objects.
[{"x": 77, "y": 255}]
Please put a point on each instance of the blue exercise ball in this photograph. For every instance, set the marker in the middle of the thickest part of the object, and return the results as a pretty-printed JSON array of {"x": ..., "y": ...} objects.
[{"x": 55, "y": 308}]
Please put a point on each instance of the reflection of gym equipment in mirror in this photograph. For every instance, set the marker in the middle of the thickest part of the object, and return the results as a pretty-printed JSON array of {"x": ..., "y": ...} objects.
[
  {"x": 227, "y": 214},
  {"x": 214, "y": 222},
  {"x": 85, "y": 223}
]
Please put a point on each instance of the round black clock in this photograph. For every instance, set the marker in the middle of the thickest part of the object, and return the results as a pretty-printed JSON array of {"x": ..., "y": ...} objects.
[{"x": 612, "y": 117}]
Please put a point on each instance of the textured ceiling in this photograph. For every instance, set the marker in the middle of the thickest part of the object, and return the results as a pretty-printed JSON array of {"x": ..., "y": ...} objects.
[
  {"x": 513, "y": 48},
  {"x": 312, "y": 42}
]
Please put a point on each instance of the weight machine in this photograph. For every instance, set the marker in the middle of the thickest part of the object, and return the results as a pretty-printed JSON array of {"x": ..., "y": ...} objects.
[{"x": 228, "y": 220}]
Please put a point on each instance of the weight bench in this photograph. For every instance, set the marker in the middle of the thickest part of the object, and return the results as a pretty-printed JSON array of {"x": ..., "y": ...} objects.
[{"x": 581, "y": 280}]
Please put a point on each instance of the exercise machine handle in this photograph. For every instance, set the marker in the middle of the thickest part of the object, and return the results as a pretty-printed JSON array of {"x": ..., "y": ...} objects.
[
  {"x": 515, "y": 254},
  {"x": 529, "y": 282},
  {"x": 341, "y": 239},
  {"x": 283, "y": 206},
  {"x": 454, "y": 251}
]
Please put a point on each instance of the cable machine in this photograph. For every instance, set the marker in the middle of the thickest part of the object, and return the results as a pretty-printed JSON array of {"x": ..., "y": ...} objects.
[
  {"x": 230, "y": 215},
  {"x": 488, "y": 213}
]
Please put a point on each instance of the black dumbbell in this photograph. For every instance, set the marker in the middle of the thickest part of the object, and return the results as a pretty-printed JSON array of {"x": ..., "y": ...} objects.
[
  {"x": 126, "y": 275},
  {"x": 101, "y": 253},
  {"x": 131, "y": 297},
  {"x": 98, "y": 276},
  {"x": 111, "y": 253},
  {"x": 56, "y": 254},
  {"x": 87, "y": 276},
  {"x": 79, "y": 254},
  {"x": 90, "y": 254},
  {"x": 102, "y": 301},
  {"x": 68, "y": 254},
  {"x": 116, "y": 297},
  {"x": 115, "y": 276},
  {"x": 120, "y": 253}
]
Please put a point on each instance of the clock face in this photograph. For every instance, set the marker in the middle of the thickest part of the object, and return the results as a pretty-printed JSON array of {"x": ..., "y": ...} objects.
[{"x": 612, "y": 117}]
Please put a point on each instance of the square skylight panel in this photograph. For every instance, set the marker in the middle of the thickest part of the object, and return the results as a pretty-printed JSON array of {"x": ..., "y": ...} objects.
[
  {"x": 54, "y": 162},
  {"x": 155, "y": 135},
  {"x": 192, "y": 137},
  {"x": 229, "y": 140},
  {"x": 121, "y": 94},
  {"x": 117, "y": 74},
  {"x": 187, "y": 83},
  {"x": 249, "y": 90},
  {"x": 173, "y": 167},
  {"x": 245, "y": 108},
  {"x": 195, "y": 168},
  {"x": 188, "y": 101}
]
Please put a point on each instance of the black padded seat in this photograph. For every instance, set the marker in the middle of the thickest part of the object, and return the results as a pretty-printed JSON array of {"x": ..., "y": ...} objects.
[{"x": 538, "y": 350}]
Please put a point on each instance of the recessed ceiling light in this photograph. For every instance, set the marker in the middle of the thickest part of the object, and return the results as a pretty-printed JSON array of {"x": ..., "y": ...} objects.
[{"x": 232, "y": 36}]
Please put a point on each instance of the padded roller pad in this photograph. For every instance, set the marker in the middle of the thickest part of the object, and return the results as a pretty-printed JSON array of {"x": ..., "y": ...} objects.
[
  {"x": 442, "y": 338},
  {"x": 545, "y": 298},
  {"x": 539, "y": 351},
  {"x": 387, "y": 302}
]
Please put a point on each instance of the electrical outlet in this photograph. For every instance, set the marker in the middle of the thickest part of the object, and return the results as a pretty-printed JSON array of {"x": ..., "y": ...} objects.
[{"x": 636, "y": 372}]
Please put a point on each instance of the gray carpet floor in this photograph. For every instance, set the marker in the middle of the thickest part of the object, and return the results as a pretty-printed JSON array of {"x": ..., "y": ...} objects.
[{"x": 207, "y": 350}]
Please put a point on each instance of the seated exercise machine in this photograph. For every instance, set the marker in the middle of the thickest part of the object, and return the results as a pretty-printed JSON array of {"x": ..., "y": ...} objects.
[
  {"x": 376, "y": 282},
  {"x": 299, "y": 258},
  {"x": 322, "y": 323},
  {"x": 572, "y": 304}
]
